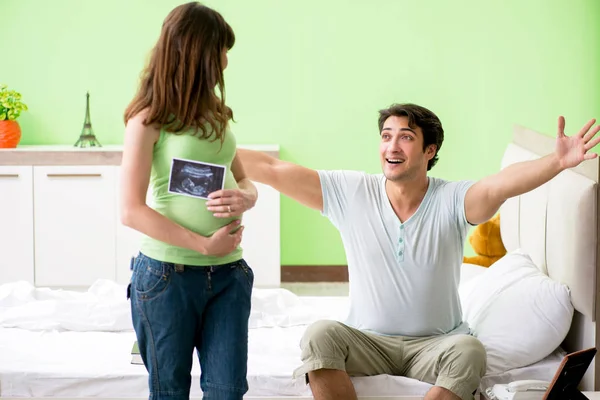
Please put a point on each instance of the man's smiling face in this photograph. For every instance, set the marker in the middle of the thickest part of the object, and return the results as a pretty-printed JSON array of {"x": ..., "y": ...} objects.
[{"x": 401, "y": 150}]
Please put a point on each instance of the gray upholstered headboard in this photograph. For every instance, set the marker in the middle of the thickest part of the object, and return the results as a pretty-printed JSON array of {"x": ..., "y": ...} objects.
[{"x": 557, "y": 224}]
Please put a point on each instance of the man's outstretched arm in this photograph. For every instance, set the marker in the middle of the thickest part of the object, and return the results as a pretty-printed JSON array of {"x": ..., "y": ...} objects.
[
  {"x": 486, "y": 196},
  {"x": 295, "y": 181}
]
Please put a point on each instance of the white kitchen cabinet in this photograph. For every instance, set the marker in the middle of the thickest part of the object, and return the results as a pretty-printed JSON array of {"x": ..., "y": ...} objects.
[
  {"x": 260, "y": 240},
  {"x": 16, "y": 224},
  {"x": 74, "y": 208},
  {"x": 60, "y": 220}
]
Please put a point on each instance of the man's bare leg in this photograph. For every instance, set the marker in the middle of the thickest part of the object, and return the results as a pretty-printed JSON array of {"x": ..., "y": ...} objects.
[
  {"x": 440, "y": 393},
  {"x": 331, "y": 384}
]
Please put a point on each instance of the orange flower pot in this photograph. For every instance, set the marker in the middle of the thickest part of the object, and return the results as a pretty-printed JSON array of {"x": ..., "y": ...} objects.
[{"x": 10, "y": 134}]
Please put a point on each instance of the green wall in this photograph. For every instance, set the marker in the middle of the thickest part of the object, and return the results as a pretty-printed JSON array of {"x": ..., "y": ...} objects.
[{"x": 310, "y": 76}]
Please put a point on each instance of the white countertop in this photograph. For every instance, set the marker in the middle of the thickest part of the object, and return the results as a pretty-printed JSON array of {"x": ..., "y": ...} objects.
[
  {"x": 60, "y": 154},
  {"x": 118, "y": 147}
]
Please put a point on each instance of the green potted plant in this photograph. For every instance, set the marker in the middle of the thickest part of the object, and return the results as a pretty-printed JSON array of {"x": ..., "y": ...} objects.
[{"x": 10, "y": 109}]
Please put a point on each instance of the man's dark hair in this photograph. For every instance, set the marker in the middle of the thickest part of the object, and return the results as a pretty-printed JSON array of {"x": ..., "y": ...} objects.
[{"x": 418, "y": 116}]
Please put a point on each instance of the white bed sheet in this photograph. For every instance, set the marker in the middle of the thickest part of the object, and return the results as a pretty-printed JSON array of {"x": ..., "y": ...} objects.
[
  {"x": 64, "y": 363},
  {"x": 69, "y": 344},
  {"x": 97, "y": 364}
]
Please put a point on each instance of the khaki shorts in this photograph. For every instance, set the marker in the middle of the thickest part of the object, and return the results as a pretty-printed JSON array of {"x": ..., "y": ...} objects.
[{"x": 455, "y": 361}]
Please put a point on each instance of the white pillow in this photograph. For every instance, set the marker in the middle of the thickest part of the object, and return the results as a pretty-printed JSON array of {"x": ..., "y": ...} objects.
[
  {"x": 470, "y": 271},
  {"x": 518, "y": 313}
]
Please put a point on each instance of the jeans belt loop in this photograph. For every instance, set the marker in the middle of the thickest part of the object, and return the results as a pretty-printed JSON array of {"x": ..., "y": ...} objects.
[{"x": 179, "y": 267}]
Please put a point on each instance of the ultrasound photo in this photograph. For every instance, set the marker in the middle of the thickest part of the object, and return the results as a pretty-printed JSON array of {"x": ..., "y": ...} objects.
[{"x": 195, "y": 178}]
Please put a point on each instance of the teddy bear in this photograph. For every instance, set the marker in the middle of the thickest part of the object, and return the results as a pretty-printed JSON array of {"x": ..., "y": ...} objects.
[{"x": 487, "y": 243}]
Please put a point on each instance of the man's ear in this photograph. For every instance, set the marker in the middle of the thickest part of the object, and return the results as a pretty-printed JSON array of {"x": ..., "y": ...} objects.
[{"x": 430, "y": 151}]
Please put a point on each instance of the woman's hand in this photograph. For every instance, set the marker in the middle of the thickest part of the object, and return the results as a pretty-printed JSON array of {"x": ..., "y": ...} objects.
[
  {"x": 230, "y": 202},
  {"x": 223, "y": 241}
]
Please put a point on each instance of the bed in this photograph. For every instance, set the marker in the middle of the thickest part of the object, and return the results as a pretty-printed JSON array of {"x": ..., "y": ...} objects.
[{"x": 59, "y": 344}]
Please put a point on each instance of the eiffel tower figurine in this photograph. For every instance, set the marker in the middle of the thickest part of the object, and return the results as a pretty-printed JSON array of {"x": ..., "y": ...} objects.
[{"x": 87, "y": 137}]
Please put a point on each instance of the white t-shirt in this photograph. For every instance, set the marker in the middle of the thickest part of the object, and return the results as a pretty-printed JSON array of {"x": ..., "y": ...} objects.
[{"x": 403, "y": 276}]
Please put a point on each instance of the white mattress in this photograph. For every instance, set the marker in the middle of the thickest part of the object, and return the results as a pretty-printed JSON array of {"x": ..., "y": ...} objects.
[{"x": 64, "y": 344}]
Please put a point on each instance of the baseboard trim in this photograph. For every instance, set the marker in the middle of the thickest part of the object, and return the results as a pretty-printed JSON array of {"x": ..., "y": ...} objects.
[{"x": 314, "y": 273}]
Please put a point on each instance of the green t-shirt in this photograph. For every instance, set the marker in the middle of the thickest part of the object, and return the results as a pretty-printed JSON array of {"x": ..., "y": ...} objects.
[{"x": 189, "y": 212}]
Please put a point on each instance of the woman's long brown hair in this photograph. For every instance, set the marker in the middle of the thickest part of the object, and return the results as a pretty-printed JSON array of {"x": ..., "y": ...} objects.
[{"x": 178, "y": 85}]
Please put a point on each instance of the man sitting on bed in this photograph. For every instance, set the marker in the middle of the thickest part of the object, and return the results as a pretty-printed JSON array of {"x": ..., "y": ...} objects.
[{"x": 404, "y": 235}]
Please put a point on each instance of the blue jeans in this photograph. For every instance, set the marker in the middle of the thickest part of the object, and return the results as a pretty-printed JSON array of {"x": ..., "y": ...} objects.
[{"x": 176, "y": 308}]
